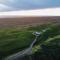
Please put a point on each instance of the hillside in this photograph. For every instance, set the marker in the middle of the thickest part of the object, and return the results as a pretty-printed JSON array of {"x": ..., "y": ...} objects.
[{"x": 13, "y": 40}]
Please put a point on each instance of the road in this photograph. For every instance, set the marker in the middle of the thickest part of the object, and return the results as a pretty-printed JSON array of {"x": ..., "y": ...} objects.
[{"x": 27, "y": 51}]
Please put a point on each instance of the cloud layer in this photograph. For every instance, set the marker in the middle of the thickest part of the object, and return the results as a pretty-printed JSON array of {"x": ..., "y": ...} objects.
[
  {"x": 4, "y": 7},
  {"x": 27, "y": 4},
  {"x": 37, "y": 12}
]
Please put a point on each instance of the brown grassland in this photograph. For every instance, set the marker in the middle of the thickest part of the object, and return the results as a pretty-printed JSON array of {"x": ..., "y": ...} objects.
[{"x": 22, "y": 21}]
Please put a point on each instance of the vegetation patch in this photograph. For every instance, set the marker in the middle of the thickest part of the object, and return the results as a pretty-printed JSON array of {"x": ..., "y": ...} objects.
[{"x": 14, "y": 40}]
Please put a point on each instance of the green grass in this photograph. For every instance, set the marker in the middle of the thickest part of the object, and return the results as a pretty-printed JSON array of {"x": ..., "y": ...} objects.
[
  {"x": 12, "y": 41},
  {"x": 52, "y": 33},
  {"x": 15, "y": 39}
]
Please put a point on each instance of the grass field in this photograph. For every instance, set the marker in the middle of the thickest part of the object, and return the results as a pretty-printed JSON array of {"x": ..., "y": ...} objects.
[{"x": 13, "y": 40}]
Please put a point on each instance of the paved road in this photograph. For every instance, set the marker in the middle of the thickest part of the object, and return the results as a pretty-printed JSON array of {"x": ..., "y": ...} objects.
[
  {"x": 19, "y": 54},
  {"x": 25, "y": 52}
]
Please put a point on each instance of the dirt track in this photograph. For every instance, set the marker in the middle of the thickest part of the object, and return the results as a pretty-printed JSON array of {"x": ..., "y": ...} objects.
[{"x": 18, "y": 21}]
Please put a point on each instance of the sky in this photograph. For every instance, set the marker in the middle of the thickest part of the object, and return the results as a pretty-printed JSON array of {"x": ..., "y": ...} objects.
[{"x": 8, "y": 5}]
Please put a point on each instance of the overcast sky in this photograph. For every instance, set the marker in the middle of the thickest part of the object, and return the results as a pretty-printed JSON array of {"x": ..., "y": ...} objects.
[{"x": 6, "y": 5}]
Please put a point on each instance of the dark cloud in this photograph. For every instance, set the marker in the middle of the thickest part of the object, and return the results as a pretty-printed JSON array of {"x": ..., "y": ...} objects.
[{"x": 28, "y": 4}]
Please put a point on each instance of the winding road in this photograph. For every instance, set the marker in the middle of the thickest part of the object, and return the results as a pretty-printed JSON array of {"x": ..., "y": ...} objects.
[{"x": 27, "y": 51}]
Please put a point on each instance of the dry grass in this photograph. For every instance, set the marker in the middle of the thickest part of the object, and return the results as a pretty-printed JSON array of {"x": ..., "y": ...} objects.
[{"x": 22, "y": 21}]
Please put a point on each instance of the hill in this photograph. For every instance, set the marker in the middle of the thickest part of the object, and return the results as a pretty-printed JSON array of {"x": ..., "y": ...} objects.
[{"x": 13, "y": 40}]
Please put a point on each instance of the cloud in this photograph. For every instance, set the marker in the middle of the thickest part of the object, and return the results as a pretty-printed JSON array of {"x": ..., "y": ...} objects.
[
  {"x": 37, "y": 12},
  {"x": 28, "y": 4},
  {"x": 4, "y": 7}
]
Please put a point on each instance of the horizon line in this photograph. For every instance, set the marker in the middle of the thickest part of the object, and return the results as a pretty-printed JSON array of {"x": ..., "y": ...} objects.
[{"x": 27, "y": 13}]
